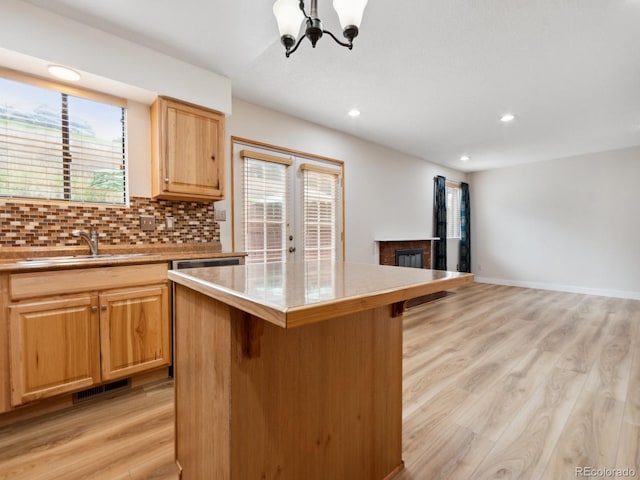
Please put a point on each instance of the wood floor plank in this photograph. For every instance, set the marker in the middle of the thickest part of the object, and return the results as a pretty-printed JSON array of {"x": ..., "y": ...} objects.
[
  {"x": 632, "y": 406},
  {"x": 612, "y": 369},
  {"x": 628, "y": 456},
  {"x": 590, "y": 437},
  {"x": 492, "y": 412},
  {"x": 85, "y": 441},
  {"x": 433, "y": 413},
  {"x": 581, "y": 351},
  {"x": 446, "y": 452},
  {"x": 471, "y": 364},
  {"x": 120, "y": 440},
  {"x": 524, "y": 449},
  {"x": 158, "y": 466}
]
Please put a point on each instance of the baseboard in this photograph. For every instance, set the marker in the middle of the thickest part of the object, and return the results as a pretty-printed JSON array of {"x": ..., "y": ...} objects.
[{"x": 561, "y": 288}]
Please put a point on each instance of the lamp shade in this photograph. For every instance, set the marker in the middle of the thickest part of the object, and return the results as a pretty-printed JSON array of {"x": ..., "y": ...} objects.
[
  {"x": 289, "y": 17},
  {"x": 350, "y": 12}
]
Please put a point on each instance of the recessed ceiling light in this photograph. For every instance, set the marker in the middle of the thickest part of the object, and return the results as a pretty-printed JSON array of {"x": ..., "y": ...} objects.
[
  {"x": 465, "y": 158},
  {"x": 507, "y": 117},
  {"x": 64, "y": 73},
  {"x": 354, "y": 112}
]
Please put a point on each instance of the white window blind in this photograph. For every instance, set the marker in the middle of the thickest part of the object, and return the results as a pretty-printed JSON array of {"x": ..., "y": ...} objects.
[
  {"x": 57, "y": 146},
  {"x": 265, "y": 210},
  {"x": 453, "y": 211},
  {"x": 320, "y": 213}
]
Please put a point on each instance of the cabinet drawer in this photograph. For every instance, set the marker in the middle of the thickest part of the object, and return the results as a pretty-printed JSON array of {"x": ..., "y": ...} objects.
[{"x": 60, "y": 282}]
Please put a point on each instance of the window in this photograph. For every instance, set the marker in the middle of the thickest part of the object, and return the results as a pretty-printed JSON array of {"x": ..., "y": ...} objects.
[
  {"x": 320, "y": 209},
  {"x": 57, "y": 144},
  {"x": 453, "y": 210},
  {"x": 265, "y": 210}
]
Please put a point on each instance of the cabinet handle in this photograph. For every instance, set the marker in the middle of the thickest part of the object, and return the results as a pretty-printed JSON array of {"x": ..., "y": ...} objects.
[
  {"x": 94, "y": 309},
  {"x": 213, "y": 157},
  {"x": 103, "y": 308},
  {"x": 166, "y": 179}
]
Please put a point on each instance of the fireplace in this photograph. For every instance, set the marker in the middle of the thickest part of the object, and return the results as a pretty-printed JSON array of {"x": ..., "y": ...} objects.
[{"x": 410, "y": 257}]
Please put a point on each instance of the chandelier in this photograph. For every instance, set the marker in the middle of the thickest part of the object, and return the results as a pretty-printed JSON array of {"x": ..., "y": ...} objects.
[{"x": 291, "y": 13}]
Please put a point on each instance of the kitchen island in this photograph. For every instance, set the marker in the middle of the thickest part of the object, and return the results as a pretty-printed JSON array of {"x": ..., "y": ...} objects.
[{"x": 293, "y": 370}]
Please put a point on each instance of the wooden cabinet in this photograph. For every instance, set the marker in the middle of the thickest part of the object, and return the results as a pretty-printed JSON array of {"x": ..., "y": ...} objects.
[
  {"x": 187, "y": 151},
  {"x": 134, "y": 331},
  {"x": 72, "y": 329},
  {"x": 54, "y": 347}
]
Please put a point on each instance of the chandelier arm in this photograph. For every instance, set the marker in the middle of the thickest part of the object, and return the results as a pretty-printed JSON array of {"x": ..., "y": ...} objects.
[
  {"x": 289, "y": 52},
  {"x": 349, "y": 45},
  {"x": 301, "y": 5}
]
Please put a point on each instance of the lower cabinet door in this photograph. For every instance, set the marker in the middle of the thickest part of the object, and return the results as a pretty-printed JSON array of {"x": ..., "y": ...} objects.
[
  {"x": 54, "y": 347},
  {"x": 134, "y": 331}
]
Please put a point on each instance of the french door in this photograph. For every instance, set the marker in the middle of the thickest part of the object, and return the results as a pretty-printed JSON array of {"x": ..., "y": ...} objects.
[{"x": 287, "y": 206}]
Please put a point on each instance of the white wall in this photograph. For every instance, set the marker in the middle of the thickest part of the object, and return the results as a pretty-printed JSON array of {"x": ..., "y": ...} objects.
[
  {"x": 568, "y": 224},
  {"x": 387, "y": 193},
  {"x": 139, "y": 149}
]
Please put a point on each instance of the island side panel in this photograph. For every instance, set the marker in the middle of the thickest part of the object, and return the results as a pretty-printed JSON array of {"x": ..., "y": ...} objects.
[
  {"x": 202, "y": 385},
  {"x": 322, "y": 401}
]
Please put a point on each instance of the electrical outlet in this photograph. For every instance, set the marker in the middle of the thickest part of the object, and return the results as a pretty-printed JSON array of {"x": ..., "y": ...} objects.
[
  {"x": 147, "y": 222},
  {"x": 220, "y": 215},
  {"x": 170, "y": 223}
]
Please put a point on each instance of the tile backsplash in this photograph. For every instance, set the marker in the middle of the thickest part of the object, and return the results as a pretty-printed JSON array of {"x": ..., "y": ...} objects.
[{"x": 38, "y": 224}]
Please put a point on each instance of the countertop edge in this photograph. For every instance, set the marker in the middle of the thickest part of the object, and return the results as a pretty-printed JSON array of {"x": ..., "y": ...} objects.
[
  {"x": 307, "y": 314},
  {"x": 12, "y": 265},
  {"x": 262, "y": 309}
]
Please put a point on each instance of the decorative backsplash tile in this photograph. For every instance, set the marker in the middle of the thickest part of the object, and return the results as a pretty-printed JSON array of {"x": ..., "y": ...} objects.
[{"x": 25, "y": 224}]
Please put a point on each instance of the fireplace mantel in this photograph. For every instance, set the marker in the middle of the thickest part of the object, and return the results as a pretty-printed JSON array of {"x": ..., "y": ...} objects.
[{"x": 406, "y": 239}]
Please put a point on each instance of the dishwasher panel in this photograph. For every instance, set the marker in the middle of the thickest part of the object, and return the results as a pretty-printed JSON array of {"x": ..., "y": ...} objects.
[{"x": 205, "y": 262}]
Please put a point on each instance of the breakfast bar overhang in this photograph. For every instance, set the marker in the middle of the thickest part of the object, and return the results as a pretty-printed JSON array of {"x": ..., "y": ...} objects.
[{"x": 293, "y": 371}]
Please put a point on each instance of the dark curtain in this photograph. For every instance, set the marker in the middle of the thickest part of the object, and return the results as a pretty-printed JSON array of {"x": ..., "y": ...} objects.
[
  {"x": 440, "y": 222},
  {"x": 465, "y": 229}
]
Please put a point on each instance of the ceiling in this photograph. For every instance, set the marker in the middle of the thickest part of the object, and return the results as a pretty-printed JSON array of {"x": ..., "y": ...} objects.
[{"x": 431, "y": 77}]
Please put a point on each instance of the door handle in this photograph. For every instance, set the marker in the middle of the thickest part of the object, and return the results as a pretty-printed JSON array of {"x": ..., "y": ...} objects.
[{"x": 292, "y": 249}]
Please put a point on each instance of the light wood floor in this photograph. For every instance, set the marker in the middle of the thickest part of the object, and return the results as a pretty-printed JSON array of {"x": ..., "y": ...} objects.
[{"x": 499, "y": 383}]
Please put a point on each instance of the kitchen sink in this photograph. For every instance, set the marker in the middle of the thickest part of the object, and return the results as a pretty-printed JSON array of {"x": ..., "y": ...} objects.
[{"x": 78, "y": 258}]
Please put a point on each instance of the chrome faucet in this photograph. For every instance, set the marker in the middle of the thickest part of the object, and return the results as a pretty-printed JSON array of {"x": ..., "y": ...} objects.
[{"x": 91, "y": 239}]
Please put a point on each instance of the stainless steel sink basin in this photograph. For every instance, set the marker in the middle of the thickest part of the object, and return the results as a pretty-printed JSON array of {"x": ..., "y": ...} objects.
[{"x": 37, "y": 261}]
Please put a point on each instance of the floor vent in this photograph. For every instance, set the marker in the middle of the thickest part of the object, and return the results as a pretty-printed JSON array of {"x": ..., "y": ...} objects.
[{"x": 95, "y": 391}]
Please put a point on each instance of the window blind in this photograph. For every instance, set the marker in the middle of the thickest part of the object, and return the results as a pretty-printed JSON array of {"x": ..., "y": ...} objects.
[
  {"x": 320, "y": 213},
  {"x": 453, "y": 211},
  {"x": 265, "y": 210},
  {"x": 57, "y": 146}
]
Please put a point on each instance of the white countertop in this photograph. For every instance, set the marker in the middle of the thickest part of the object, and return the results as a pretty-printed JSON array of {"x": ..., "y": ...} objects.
[{"x": 292, "y": 294}]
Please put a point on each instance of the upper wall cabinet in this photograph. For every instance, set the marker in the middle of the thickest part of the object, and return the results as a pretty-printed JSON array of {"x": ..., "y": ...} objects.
[{"x": 187, "y": 151}]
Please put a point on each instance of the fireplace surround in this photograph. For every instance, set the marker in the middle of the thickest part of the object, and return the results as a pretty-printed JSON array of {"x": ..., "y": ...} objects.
[{"x": 389, "y": 246}]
